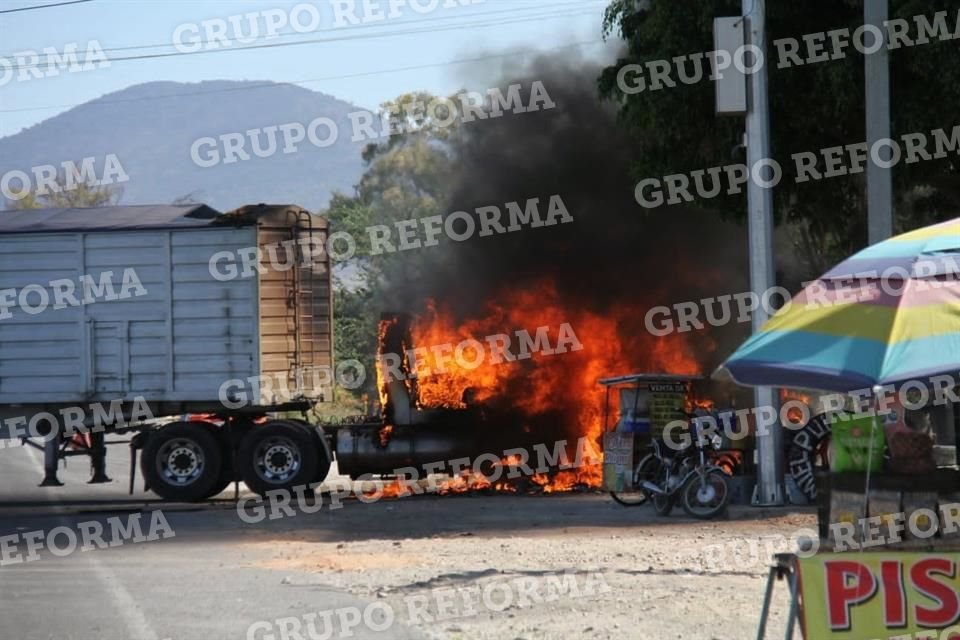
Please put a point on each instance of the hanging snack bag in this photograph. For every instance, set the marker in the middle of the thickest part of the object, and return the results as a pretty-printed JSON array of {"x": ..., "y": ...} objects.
[{"x": 852, "y": 439}]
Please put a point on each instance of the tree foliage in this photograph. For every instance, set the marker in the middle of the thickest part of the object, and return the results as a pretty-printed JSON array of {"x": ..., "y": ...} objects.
[
  {"x": 80, "y": 194},
  {"x": 406, "y": 178},
  {"x": 814, "y": 106},
  {"x": 355, "y": 337}
]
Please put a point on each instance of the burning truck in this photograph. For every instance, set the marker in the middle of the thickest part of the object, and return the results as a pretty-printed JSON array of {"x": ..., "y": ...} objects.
[
  {"x": 152, "y": 362},
  {"x": 246, "y": 296}
]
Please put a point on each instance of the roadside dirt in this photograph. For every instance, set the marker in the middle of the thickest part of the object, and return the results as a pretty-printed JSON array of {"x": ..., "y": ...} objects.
[{"x": 557, "y": 567}]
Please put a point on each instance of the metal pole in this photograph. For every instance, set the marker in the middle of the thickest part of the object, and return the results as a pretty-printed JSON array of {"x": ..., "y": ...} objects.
[
  {"x": 769, "y": 489},
  {"x": 772, "y": 577},
  {"x": 877, "y": 82}
]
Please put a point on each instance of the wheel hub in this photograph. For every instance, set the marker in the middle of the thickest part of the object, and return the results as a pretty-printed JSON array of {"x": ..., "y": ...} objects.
[
  {"x": 277, "y": 459},
  {"x": 706, "y": 493},
  {"x": 180, "y": 461},
  {"x": 183, "y": 462}
]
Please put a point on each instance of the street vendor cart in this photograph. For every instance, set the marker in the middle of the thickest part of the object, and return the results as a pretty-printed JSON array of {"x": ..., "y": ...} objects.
[
  {"x": 882, "y": 329},
  {"x": 657, "y": 407},
  {"x": 644, "y": 405}
]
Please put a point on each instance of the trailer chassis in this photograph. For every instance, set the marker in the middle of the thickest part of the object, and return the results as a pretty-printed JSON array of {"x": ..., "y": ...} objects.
[{"x": 194, "y": 455}]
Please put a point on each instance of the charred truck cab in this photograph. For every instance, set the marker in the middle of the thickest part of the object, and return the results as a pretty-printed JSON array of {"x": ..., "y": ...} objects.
[{"x": 413, "y": 441}]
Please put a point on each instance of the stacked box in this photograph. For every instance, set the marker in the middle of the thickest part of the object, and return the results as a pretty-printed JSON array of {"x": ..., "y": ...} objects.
[
  {"x": 846, "y": 507},
  {"x": 913, "y": 503},
  {"x": 948, "y": 509},
  {"x": 884, "y": 505}
]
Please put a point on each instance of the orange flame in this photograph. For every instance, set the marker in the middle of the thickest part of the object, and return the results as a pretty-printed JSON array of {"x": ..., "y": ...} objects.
[
  {"x": 795, "y": 415},
  {"x": 459, "y": 362}
]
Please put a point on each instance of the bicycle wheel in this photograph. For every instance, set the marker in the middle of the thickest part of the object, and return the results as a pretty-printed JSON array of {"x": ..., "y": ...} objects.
[
  {"x": 636, "y": 496},
  {"x": 706, "y": 495}
]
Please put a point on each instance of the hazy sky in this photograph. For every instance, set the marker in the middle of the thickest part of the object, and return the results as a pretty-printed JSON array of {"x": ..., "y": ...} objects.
[{"x": 365, "y": 63}]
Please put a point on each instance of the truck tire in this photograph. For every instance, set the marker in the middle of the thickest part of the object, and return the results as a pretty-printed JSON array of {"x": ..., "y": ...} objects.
[
  {"x": 326, "y": 456},
  {"x": 222, "y": 483},
  {"x": 227, "y": 474},
  {"x": 182, "y": 462},
  {"x": 278, "y": 455}
]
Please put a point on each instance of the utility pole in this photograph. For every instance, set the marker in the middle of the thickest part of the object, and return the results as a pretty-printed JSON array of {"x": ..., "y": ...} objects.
[
  {"x": 877, "y": 81},
  {"x": 769, "y": 490}
]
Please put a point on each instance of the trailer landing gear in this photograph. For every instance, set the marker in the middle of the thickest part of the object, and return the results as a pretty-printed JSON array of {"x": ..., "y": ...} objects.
[
  {"x": 98, "y": 459},
  {"x": 51, "y": 460}
]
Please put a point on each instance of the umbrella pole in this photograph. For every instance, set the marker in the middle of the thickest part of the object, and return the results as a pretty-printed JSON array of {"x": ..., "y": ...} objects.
[{"x": 877, "y": 390}]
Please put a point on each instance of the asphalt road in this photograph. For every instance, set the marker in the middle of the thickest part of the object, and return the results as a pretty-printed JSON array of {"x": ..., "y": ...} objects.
[
  {"x": 219, "y": 574},
  {"x": 201, "y": 583}
]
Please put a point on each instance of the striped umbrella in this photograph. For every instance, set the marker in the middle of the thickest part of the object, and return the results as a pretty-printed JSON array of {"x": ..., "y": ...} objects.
[{"x": 889, "y": 313}]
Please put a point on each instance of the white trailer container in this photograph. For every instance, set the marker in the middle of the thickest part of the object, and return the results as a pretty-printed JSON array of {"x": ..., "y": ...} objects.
[{"x": 108, "y": 313}]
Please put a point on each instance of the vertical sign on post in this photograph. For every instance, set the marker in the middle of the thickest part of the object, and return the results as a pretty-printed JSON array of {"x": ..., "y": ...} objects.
[{"x": 731, "y": 83}]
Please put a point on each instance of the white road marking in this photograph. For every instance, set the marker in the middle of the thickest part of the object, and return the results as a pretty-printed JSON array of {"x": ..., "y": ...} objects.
[{"x": 125, "y": 606}]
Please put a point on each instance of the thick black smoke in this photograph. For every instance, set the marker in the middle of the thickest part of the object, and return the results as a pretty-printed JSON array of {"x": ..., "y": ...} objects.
[{"x": 614, "y": 252}]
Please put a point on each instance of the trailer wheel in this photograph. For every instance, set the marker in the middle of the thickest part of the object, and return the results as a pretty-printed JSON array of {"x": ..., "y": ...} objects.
[
  {"x": 227, "y": 474},
  {"x": 182, "y": 462},
  {"x": 223, "y": 482},
  {"x": 278, "y": 455},
  {"x": 326, "y": 456}
]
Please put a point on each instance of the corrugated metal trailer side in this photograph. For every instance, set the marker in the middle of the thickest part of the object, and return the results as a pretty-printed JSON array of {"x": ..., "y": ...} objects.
[
  {"x": 168, "y": 306},
  {"x": 160, "y": 327},
  {"x": 295, "y": 313}
]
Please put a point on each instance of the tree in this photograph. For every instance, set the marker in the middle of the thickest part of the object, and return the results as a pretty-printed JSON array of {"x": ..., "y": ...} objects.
[
  {"x": 814, "y": 106},
  {"x": 406, "y": 178},
  {"x": 355, "y": 337},
  {"x": 68, "y": 194}
]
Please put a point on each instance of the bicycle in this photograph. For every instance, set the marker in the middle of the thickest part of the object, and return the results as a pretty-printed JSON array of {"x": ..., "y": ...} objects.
[{"x": 666, "y": 475}]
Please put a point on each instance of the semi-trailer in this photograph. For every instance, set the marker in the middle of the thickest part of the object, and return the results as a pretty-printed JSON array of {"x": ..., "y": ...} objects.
[
  {"x": 134, "y": 320},
  {"x": 207, "y": 337}
]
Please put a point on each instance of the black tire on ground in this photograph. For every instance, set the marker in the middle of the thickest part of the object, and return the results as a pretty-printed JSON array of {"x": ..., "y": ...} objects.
[
  {"x": 716, "y": 493},
  {"x": 278, "y": 455},
  {"x": 662, "y": 504},
  {"x": 629, "y": 498},
  {"x": 325, "y": 457},
  {"x": 182, "y": 462},
  {"x": 224, "y": 481},
  {"x": 227, "y": 474}
]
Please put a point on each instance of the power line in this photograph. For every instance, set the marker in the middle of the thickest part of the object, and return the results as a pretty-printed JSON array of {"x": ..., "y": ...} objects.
[
  {"x": 394, "y": 33},
  {"x": 45, "y": 6},
  {"x": 313, "y": 80},
  {"x": 366, "y": 27}
]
